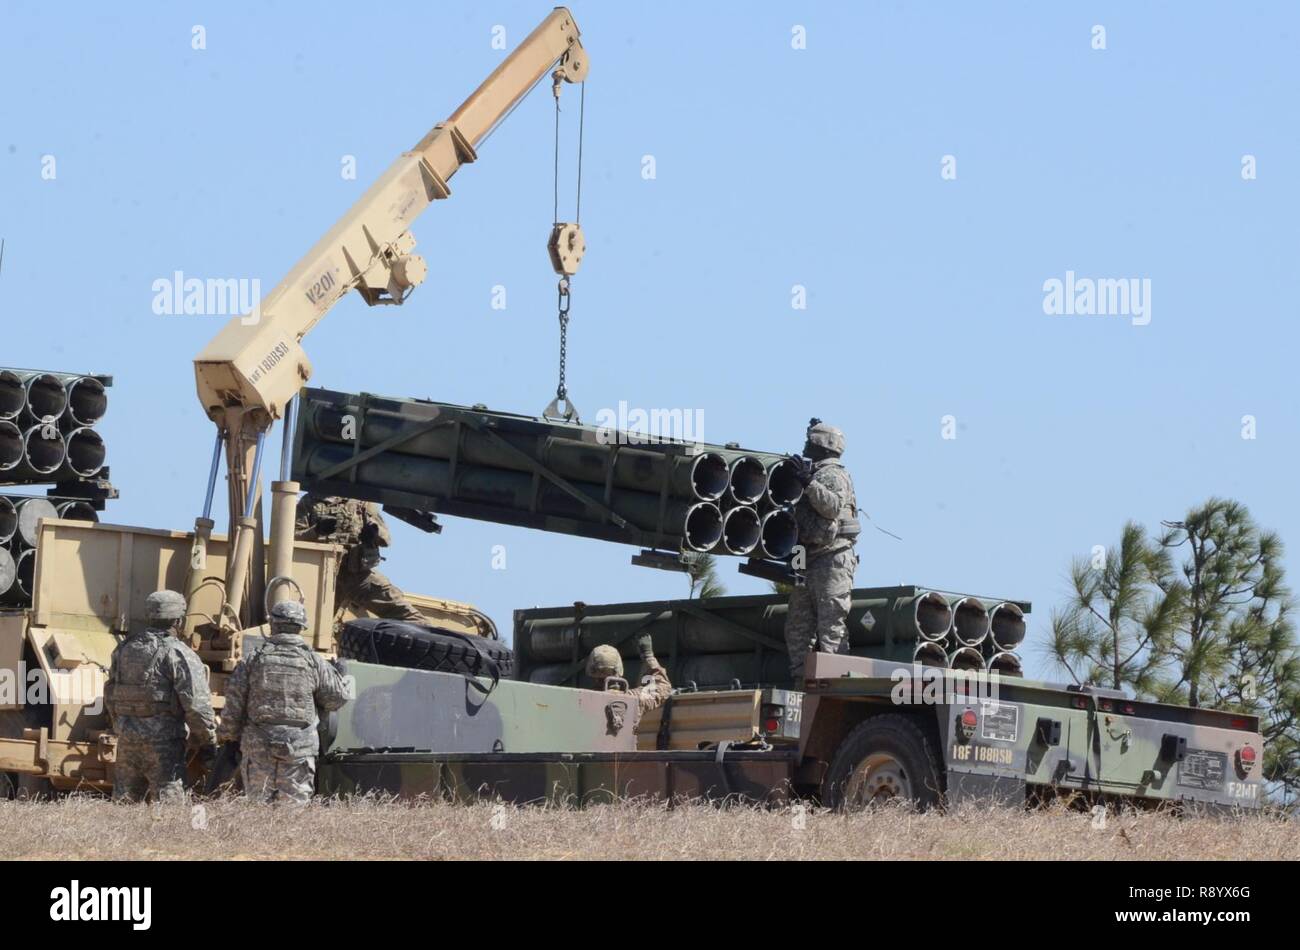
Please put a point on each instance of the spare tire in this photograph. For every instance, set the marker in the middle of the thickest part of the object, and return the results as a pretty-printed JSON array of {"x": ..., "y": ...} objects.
[{"x": 416, "y": 646}]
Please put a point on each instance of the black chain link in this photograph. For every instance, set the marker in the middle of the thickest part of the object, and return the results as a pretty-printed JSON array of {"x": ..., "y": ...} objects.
[{"x": 561, "y": 392}]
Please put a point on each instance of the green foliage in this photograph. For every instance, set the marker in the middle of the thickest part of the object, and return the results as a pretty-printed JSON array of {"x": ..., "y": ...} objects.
[
  {"x": 702, "y": 569},
  {"x": 1118, "y": 625},
  {"x": 1201, "y": 615},
  {"x": 1236, "y": 647}
]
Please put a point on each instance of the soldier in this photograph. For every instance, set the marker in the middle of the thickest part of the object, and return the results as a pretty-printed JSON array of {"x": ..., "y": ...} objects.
[
  {"x": 271, "y": 709},
  {"x": 157, "y": 686},
  {"x": 359, "y": 527},
  {"x": 827, "y": 515},
  {"x": 654, "y": 690}
]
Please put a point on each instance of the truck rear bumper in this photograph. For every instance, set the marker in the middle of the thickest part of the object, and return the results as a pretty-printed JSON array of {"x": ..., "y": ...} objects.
[{"x": 66, "y": 764}]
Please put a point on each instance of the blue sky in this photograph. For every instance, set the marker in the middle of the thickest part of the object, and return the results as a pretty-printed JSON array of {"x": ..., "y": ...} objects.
[{"x": 774, "y": 167}]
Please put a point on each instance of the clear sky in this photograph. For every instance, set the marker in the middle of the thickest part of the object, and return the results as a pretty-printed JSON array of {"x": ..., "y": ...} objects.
[{"x": 773, "y": 167}]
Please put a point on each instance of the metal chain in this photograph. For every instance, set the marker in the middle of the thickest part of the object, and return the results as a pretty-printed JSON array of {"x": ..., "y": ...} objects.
[
  {"x": 563, "y": 288},
  {"x": 560, "y": 391}
]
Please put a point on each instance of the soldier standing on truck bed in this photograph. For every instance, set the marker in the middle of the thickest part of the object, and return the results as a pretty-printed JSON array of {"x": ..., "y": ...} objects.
[
  {"x": 827, "y": 516},
  {"x": 156, "y": 687},
  {"x": 359, "y": 527},
  {"x": 654, "y": 690},
  {"x": 271, "y": 709}
]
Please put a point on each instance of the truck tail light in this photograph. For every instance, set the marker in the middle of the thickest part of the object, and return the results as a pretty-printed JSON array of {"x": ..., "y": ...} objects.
[
  {"x": 772, "y": 716},
  {"x": 1246, "y": 757},
  {"x": 967, "y": 722}
]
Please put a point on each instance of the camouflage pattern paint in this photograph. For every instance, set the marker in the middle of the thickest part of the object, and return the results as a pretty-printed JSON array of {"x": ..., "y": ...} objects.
[
  {"x": 419, "y": 710},
  {"x": 1039, "y": 735}
]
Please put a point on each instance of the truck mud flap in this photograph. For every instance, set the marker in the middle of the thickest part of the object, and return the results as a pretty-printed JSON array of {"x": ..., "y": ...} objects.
[{"x": 562, "y": 778}]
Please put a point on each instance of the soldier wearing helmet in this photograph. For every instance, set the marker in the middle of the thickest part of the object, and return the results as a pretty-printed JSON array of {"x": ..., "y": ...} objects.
[
  {"x": 359, "y": 527},
  {"x": 827, "y": 516},
  {"x": 157, "y": 691},
  {"x": 605, "y": 663},
  {"x": 272, "y": 702}
]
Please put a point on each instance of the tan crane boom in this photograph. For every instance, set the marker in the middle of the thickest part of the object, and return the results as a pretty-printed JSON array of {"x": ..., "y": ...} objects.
[{"x": 248, "y": 375}]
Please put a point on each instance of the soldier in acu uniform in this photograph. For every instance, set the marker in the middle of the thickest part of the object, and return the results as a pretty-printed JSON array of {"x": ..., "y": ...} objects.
[
  {"x": 605, "y": 662},
  {"x": 272, "y": 702},
  {"x": 358, "y": 526},
  {"x": 271, "y": 709},
  {"x": 827, "y": 516},
  {"x": 157, "y": 686}
]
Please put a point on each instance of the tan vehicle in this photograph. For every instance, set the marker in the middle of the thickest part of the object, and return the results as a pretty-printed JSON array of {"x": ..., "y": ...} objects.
[{"x": 91, "y": 580}]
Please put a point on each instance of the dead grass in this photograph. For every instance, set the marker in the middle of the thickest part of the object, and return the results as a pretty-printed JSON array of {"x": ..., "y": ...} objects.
[{"x": 79, "y": 827}]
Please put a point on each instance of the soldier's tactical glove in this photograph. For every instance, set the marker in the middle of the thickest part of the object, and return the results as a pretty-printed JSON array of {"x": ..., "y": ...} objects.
[
  {"x": 803, "y": 470},
  {"x": 370, "y": 534},
  {"x": 645, "y": 646}
]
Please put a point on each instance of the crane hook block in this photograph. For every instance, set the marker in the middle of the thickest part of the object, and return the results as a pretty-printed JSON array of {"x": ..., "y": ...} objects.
[{"x": 567, "y": 245}]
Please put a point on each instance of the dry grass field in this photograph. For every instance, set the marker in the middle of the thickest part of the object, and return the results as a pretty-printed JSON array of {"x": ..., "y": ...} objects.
[{"x": 373, "y": 829}]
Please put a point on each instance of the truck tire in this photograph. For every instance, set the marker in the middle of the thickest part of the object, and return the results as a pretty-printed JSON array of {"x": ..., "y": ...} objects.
[
  {"x": 417, "y": 647},
  {"x": 886, "y": 757}
]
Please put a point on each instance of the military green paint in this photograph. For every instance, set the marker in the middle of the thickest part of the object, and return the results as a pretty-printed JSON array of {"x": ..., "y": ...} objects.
[{"x": 421, "y": 710}]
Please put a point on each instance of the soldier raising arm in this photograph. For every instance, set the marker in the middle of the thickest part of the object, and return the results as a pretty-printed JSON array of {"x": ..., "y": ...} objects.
[{"x": 605, "y": 662}]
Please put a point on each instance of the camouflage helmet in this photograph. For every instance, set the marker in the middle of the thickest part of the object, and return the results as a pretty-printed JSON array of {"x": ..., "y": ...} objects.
[
  {"x": 164, "y": 605},
  {"x": 825, "y": 436},
  {"x": 288, "y": 613},
  {"x": 603, "y": 662}
]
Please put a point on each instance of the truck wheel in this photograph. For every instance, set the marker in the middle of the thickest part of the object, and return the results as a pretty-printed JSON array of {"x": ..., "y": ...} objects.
[
  {"x": 885, "y": 758},
  {"x": 417, "y": 647}
]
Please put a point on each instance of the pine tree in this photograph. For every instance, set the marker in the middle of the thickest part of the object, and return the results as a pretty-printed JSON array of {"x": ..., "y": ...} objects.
[
  {"x": 1236, "y": 648},
  {"x": 1124, "y": 608},
  {"x": 1200, "y": 616},
  {"x": 702, "y": 569}
]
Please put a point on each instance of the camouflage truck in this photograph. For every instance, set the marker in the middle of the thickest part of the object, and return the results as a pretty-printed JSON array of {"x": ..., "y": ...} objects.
[
  {"x": 89, "y": 586},
  {"x": 860, "y": 730}
]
